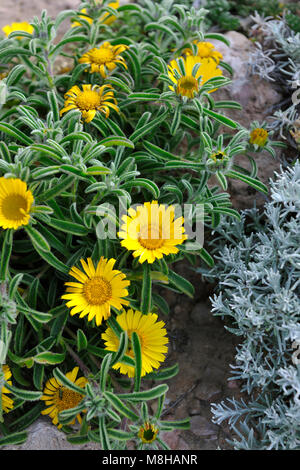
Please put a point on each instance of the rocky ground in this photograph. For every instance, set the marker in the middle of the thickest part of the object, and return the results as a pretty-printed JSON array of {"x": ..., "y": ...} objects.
[{"x": 198, "y": 340}]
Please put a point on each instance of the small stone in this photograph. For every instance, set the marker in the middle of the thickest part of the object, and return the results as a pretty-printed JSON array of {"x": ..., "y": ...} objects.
[{"x": 202, "y": 427}]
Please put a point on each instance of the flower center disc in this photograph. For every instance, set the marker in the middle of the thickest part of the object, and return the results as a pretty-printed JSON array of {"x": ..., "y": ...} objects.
[
  {"x": 97, "y": 291},
  {"x": 101, "y": 56},
  {"x": 188, "y": 84},
  {"x": 67, "y": 399},
  {"x": 150, "y": 237},
  {"x": 88, "y": 100},
  {"x": 13, "y": 206}
]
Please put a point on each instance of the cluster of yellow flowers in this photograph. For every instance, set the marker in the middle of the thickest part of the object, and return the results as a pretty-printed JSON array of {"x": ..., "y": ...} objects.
[
  {"x": 93, "y": 98},
  {"x": 150, "y": 231}
]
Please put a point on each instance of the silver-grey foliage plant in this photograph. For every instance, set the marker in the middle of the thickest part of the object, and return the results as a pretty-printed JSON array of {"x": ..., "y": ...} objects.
[{"x": 258, "y": 277}]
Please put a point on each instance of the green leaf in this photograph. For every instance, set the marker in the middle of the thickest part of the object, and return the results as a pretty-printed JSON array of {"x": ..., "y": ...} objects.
[
  {"x": 66, "y": 382},
  {"x": 159, "y": 152},
  {"x": 51, "y": 259},
  {"x": 37, "y": 239},
  {"x": 5, "y": 255},
  {"x": 57, "y": 189},
  {"x": 151, "y": 394},
  {"x": 41, "y": 317},
  {"x": 147, "y": 128},
  {"x": 27, "y": 395},
  {"x": 163, "y": 374},
  {"x": 217, "y": 36},
  {"x": 48, "y": 357},
  {"x": 105, "y": 444},
  {"x": 206, "y": 257},
  {"x": 254, "y": 183},
  {"x": 120, "y": 406},
  {"x": 143, "y": 183},
  {"x": 220, "y": 118},
  {"x": 120, "y": 435},
  {"x": 15, "y": 133},
  {"x": 144, "y": 96},
  {"x": 82, "y": 341},
  {"x": 136, "y": 346},
  {"x": 181, "y": 284},
  {"x": 58, "y": 46},
  {"x": 105, "y": 366},
  {"x": 28, "y": 418},
  {"x": 123, "y": 344},
  {"x": 69, "y": 227},
  {"x": 146, "y": 289},
  {"x": 15, "y": 75},
  {"x": 117, "y": 140},
  {"x": 13, "y": 439},
  {"x": 78, "y": 439},
  {"x": 180, "y": 424}
]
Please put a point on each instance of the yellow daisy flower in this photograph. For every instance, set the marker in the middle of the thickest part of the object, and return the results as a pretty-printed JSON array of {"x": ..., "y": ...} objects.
[
  {"x": 24, "y": 26},
  {"x": 205, "y": 50},
  {"x": 151, "y": 231},
  {"x": 7, "y": 403},
  {"x": 97, "y": 290},
  {"x": 148, "y": 433},
  {"x": 89, "y": 100},
  {"x": 15, "y": 203},
  {"x": 109, "y": 18},
  {"x": 259, "y": 136},
  {"x": 187, "y": 84},
  {"x": 59, "y": 398},
  {"x": 152, "y": 336},
  {"x": 105, "y": 58}
]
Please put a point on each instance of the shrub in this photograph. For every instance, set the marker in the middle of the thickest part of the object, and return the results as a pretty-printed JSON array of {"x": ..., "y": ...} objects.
[{"x": 257, "y": 274}]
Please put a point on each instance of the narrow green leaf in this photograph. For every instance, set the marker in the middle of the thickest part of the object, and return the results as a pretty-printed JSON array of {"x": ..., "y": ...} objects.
[
  {"x": 105, "y": 366},
  {"x": 5, "y": 255},
  {"x": 105, "y": 444},
  {"x": 146, "y": 290},
  {"x": 48, "y": 357},
  {"x": 181, "y": 284},
  {"x": 120, "y": 406},
  {"x": 136, "y": 346},
  {"x": 254, "y": 183},
  {"x": 57, "y": 189},
  {"x": 82, "y": 341},
  {"x": 15, "y": 133},
  {"x": 13, "y": 439},
  {"x": 27, "y": 395},
  {"x": 151, "y": 394},
  {"x": 37, "y": 239},
  {"x": 66, "y": 382},
  {"x": 117, "y": 140}
]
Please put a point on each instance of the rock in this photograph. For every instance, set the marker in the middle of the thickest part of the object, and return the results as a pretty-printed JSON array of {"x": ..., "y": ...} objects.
[
  {"x": 207, "y": 390},
  {"x": 43, "y": 435},
  {"x": 202, "y": 427},
  {"x": 171, "y": 438},
  {"x": 257, "y": 97}
]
